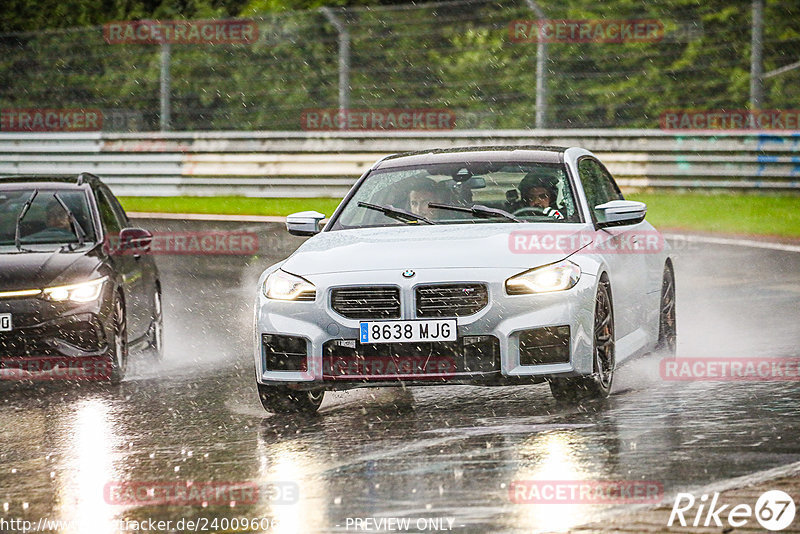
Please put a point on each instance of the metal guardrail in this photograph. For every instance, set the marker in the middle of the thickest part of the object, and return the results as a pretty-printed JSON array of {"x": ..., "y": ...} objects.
[{"x": 310, "y": 164}]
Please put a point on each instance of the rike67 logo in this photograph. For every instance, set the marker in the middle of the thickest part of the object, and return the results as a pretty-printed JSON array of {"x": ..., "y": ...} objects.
[{"x": 774, "y": 510}]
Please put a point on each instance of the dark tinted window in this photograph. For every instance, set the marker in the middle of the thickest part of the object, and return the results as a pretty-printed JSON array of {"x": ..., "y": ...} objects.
[
  {"x": 508, "y": 185},
  {"x": 117, "y": 208},
  {"x": 46, "y": 221},
  {"x": 112, "y": 221},
  {"x": 598, "y": 184}
]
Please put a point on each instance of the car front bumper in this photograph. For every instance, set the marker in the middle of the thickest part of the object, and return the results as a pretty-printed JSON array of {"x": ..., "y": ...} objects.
[
  {"x": 499, "y": 326},
  {"x": 43, "y": 329}
]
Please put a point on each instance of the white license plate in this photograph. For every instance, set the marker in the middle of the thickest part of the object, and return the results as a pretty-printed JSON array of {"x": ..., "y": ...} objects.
[
  {"x": 408, "y": 331},
  {"x": 5, "y": 322}
]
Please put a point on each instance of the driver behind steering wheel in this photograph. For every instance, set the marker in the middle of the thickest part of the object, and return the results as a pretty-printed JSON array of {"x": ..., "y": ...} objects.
[{"x": 539, "y": 194}]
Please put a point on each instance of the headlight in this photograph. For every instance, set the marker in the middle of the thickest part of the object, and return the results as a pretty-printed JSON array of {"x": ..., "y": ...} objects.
[
  {"x": 554, "y": 277},
  {"x": 281, "y": 285},
  {"x": 83, "y": 292}
]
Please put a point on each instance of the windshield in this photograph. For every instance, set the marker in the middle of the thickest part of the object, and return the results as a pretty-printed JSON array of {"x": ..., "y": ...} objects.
[
  {"x": 455, "y": 193},
  {"x": 46, "y": 222}
]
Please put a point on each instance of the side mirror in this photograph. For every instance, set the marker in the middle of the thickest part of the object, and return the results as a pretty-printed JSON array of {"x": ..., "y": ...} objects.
[
  {"x": 304, "y": 223},
  {"x": 620, "y": 213},
  {"x": 136, "y": 240},
  {"x": 476, "y": 182}
]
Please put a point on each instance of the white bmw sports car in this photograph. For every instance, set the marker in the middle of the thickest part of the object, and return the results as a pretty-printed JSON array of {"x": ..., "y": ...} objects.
[{"x": 488, "y": 266}]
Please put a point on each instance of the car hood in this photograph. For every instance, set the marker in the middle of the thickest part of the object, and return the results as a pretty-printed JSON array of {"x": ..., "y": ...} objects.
[
  {"x": 36, "y": 270},
  {"x": 453, "y": 246}
]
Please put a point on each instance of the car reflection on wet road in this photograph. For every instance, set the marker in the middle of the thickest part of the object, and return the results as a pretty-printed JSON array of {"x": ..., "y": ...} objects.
[{"x": 441, "y": 457}]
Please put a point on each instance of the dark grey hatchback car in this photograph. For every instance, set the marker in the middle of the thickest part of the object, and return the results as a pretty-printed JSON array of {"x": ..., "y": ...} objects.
[{"x": 78, "y": 287}]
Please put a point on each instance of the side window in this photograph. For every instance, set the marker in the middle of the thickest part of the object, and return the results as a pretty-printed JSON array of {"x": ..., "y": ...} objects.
[
  {"x": 111, "y": 221},
  {"x": 598, "y": 185},
  {"x": 118, "y": 211}
]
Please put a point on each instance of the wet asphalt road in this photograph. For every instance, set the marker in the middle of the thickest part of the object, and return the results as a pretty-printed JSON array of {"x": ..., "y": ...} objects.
[{"x": 443, "y": 457}]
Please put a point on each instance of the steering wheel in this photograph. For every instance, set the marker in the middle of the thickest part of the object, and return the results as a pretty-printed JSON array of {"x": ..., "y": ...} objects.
[{"x": 529, "y": 210}]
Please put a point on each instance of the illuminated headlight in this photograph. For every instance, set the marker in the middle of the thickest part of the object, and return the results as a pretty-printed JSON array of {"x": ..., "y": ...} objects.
[
  {"x": 281, "y": 285},
  {"x": 554, "y": 277},
  {"x": 83, "y": 292}
]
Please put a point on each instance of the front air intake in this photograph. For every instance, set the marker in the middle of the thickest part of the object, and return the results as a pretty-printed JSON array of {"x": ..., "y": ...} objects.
[{"x": 366, "y": 302}]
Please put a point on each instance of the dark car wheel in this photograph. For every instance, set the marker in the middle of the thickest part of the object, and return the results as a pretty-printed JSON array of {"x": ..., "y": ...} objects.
[
  {"x": 119, "y": 342},
  {"x": 598, "y": 384},
  {"x": 280, "y": 399},
  {"x": 156, "y": 348},
  {"x": 667, "y": 326}
]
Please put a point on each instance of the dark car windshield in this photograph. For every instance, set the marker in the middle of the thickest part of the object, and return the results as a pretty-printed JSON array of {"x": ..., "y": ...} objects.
[
  {"x": 524, "y": 191},
  {"x": 46, "y": 222}
]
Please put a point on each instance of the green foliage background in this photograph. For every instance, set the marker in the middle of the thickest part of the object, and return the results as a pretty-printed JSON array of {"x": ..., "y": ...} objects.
[{"x": 456, "y": 55}]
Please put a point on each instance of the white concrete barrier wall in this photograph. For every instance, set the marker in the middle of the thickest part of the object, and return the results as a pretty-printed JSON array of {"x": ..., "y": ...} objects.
[{"x": 311, "y": 164}]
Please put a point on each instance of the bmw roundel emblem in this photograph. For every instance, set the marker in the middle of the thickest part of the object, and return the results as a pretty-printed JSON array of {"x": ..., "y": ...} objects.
[{"x": 408, "y": 273}]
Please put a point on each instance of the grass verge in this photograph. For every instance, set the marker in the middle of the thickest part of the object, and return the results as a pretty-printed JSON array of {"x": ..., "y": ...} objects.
[
  {"x": 229, "y": 205},
  {"x": 724, "y": 213},
  {"x": 733, "y": 214}
]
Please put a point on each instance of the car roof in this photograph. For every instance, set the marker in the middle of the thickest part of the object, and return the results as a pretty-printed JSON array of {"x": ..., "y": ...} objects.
[
  {"x": 79, "y": 181},
  {"x": 532, "y": 153}
]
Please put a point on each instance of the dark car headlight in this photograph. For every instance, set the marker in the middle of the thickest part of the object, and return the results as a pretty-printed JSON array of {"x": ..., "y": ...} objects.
[{"x": 81, "y": 292}]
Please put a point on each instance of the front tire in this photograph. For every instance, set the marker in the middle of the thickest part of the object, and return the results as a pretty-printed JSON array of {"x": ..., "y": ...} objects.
[
  {"x": 281, "y": 400},
  {"x": 598, "y": 384},
  {"x": 156, "y": 348},
  {"x": 119, "y": 342},
  {"x": 667, "y": 326}
]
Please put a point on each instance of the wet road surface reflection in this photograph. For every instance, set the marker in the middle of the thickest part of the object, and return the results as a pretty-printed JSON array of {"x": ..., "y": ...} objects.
[{"x": 446, "y": 455}]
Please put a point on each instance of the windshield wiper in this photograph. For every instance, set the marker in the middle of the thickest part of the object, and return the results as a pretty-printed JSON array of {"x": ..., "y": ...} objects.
[
  {"x": 76, "y": 226},
  {"x": 22, "y": 213},
  {"x": 397, "y": 213},
  {"x": 484, "y": 212}
]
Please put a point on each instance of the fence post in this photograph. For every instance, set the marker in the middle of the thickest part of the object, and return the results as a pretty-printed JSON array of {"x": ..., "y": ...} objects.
[
  {"x": 756, "y": 56},
  {"x": 344, "y": 63},
  {"x": 541, "y": 81},
  {"x": 164, "y": 118}
]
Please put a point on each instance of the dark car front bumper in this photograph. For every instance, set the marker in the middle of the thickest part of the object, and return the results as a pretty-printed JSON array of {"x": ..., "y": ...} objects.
[{"x": 46, "y": 329}]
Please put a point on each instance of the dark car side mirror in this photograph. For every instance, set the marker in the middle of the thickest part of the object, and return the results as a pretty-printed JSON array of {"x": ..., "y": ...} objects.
[{"x": 135, "y": 240}]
